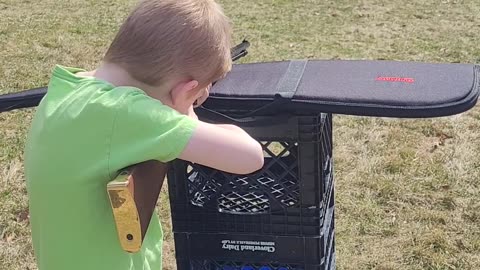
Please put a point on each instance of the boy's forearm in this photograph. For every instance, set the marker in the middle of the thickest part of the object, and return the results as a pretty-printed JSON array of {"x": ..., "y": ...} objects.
[
  {"x": 233, "y": 128},
  {"x": 191, "y": 113},
  {"x": 230, "y": 127}
]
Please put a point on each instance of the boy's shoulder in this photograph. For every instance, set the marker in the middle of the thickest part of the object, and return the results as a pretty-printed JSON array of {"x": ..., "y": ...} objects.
[
  {"x": 68, "y": 91},
  {"x": 73, "y": 102},
  {"x": 108, "y": 119}
]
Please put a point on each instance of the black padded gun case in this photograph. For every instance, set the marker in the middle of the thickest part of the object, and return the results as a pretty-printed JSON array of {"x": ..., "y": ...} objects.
[
  {"x": 364, "y": 88},
  {"x": 354, "y": 87}
]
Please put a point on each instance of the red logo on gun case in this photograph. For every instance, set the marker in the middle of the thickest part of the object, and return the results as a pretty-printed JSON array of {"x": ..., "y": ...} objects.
[{"x": 396, "y": 79}]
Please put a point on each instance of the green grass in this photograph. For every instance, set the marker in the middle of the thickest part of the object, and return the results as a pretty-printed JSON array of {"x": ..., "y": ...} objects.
[{"x": 407, "y": 191}]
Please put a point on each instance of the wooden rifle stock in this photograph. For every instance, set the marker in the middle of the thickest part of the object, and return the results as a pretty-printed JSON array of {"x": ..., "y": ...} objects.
[
  {"x": 133, "y": 196},
  {"x": 134, "y": 192}
]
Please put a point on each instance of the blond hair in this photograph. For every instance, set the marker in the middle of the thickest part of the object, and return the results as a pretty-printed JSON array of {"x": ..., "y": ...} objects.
[{"x": 161, "y": 39}]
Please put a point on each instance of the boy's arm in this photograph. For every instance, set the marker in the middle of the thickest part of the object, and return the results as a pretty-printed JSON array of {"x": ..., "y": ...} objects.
[{"x": 224, "y": 147}]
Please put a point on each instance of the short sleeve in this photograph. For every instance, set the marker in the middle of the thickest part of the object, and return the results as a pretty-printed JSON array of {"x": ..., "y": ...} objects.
[{"x": 145, "y": 129}]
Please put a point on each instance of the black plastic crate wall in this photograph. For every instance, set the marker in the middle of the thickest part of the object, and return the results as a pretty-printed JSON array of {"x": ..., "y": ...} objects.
[
  {"x": 233, "y": 251},
  {"x": 289, "y": 196}
]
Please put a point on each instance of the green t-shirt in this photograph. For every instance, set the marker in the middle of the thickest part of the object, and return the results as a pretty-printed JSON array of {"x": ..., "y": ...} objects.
[{"x": 84, "y": 131}]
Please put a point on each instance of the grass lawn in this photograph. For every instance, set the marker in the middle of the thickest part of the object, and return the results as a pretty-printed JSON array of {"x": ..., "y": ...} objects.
[{"x": 407, "y": 191}]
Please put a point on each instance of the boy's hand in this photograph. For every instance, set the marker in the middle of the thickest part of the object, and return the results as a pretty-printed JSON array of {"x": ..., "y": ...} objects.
[
  {"x": 203, "y": 97},
  {"x": 191, "y": 113}
]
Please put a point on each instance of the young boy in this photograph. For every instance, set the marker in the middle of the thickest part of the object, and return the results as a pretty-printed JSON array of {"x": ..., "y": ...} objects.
[{"x": 136, "y": 106}]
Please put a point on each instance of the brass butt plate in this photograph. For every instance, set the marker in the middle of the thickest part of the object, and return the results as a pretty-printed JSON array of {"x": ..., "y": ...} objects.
[{"x": 127, "y": 221}]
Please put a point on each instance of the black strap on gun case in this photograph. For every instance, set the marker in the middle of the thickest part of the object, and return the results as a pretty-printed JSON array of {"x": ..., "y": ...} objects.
[{"x": 352, "y": 87}]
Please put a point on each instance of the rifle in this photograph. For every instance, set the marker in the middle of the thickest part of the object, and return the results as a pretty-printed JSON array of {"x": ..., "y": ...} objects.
[{"x": 134, "y": 192}]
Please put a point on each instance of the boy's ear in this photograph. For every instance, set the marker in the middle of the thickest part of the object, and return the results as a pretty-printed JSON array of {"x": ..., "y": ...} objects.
[{"x": 183, "y": 91}]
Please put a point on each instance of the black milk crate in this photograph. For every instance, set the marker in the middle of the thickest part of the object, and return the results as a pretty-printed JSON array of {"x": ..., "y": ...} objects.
[
  {"x": 224, "y": 251},
  {"x": 289, "y": 202},
  {"x": 288, "y": 196}
]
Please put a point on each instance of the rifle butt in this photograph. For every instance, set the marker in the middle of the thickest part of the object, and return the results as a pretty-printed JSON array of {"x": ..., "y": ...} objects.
[{"x": 133, "y": 195}]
